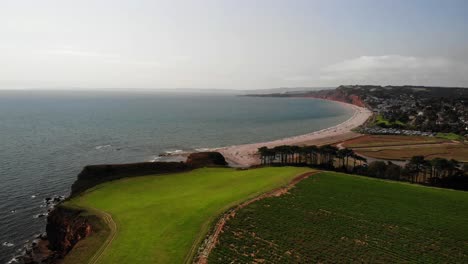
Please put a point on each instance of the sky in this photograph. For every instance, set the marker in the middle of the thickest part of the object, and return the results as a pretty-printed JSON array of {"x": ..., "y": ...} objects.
[{"x": 238, "y": 44}]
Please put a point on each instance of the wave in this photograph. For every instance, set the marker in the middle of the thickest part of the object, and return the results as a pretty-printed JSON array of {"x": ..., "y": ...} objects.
[
  {"x": 102, "y": 147},
  {"x": 13, "y": 260},
  {"x": 205, "y": 149},
  {"x": 174, "y": 152},
  {"x": 7, "y": 244},
  {"x": 40, "y": 215},
  {"x": 154, "y": 159}
]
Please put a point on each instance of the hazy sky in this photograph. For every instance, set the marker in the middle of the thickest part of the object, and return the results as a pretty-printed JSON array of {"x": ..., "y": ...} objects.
[{"x": 232, "y": 44}]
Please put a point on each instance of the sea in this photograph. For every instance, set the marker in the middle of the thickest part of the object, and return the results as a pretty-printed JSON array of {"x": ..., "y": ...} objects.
[{"x": 46, "y": 137}]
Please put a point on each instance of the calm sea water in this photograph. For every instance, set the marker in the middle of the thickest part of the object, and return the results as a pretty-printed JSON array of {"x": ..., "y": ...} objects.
[{"x": 47, "y": 137}]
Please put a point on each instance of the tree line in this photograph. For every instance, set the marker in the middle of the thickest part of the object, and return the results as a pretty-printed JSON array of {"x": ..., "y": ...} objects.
[
  {"x": 436, "y": 172},
  {"x": 327, "y": 156}
]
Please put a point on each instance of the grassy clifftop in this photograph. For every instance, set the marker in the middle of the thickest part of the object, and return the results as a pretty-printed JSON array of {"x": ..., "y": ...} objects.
[
  {"x": 93, "y": 175},
  {"x": 159, "y": 219}
]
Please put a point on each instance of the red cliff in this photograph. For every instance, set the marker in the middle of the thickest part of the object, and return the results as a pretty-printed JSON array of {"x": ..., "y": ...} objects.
[
  {"x": 337, "y": 95},
  {"x": 65, "y": 227}
]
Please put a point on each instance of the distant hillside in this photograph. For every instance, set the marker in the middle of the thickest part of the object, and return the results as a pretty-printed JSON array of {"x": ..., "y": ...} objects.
[
  {"x": 285, "y": 90},
  {"x": 337, "y": 94},
  {"x": 346, "y": 93}
]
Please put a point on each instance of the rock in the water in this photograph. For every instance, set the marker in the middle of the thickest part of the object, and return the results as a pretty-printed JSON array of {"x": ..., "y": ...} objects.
[
  {"x": 7, "y": 244},
  {"x": 42, "y": 236},
  {"x": 13, "y": 260},
  {"x": 40, "y": 215}
]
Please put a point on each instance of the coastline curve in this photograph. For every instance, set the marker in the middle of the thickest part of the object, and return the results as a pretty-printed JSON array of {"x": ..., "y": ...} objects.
[{"x": 245, "y": 155}]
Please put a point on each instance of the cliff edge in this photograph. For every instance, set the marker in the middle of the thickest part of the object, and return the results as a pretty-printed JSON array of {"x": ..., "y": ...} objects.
[{"x": 66, "y": 226}]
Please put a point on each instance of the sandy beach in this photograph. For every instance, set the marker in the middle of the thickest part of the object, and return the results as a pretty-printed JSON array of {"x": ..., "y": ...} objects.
[{"x": 246, "y": 155}]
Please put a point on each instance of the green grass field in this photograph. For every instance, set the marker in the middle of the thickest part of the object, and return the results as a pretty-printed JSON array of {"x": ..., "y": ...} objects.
[
  {"x": 160, "y": 218},
  {"x": 381, "y": 121},
  {"x": 450, "y": 136},
  {"x": 339, "y": 218}
]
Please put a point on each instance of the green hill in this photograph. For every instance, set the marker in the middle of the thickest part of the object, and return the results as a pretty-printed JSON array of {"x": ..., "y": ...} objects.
[
  {"x": 161, "y": 219},
  {"x": 339, "y": 218}
]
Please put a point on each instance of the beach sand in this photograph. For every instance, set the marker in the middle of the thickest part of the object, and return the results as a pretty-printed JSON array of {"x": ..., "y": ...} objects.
[{"x": 246, "y": 155}]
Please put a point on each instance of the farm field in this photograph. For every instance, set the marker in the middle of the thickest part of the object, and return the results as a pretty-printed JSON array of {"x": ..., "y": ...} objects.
[
  {"x": 338, "y": 218},
  {"x": 390, "y": 140},
  {"x": 458, "y": 151},
  {"x": 404, "y": 147},
  {"x": 160, "y": 219}
]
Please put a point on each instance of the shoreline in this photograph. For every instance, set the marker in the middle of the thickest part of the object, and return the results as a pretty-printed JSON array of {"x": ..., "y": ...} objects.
[{"x": 245, "y": 155}]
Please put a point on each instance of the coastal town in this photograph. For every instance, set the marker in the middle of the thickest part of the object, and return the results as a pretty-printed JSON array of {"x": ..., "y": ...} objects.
[
  {"x": 402, "y": 110},
  {"x": 376, "y": 130},
  {"x": 415, "y": 110}
]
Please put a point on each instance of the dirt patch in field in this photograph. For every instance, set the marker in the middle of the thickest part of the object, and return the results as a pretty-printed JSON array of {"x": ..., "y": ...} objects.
[{"x": 211, "y": 241}]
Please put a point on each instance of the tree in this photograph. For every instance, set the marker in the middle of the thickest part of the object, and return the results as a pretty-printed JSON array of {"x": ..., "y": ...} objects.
[
  {"x": 329, "y": 153},
  {"x": 282, "y": 151},
  {"x": 415, "y": 166},
  {"x": 321, "y": 151},
  {"x": 295, "y": 153},
  {"x": 312, "y": 152},
  {"x": 377, "y": 169},
  {"x": 427, "y": 166},
  {"x": 348, "y": 153},
  {"x": 341, "y": 154},
  {"x": 439, "y": 165},
  {"x": 263, "y": 151},
  {"x": 361, "y": 159},
  {"x": 357, "y": 158},
  {"x": 452, "y": 165},
  {"x": 392, "y": 171},
  {"x": 271, "y": 155},
  {"x": 465, "y": 168}
]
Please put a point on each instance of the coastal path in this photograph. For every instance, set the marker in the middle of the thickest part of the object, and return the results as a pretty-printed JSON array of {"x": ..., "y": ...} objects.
[{"x": 107, "y": 218}]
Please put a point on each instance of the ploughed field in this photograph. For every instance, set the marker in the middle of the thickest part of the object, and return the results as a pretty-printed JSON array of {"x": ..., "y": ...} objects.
[
  {"x": 404, "y": 147},
  {"x": 367, "y": 141},
  {"x": 163, "y": 218},
  {"x": 339, "y": 218}
]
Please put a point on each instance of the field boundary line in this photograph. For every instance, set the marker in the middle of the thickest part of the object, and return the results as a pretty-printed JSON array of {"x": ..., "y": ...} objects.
[
  {"x": 210, "y": 242},
  {"x": 427, "y": 144},
  {"x": 107, "y": 218}
]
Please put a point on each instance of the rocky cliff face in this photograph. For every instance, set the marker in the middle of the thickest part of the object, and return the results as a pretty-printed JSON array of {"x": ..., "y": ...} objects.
[
  {"x": 65, "y": 227},
  {"x": 340, "y": 94},
  {"x": 206, "y": 159},
  {"x": 337, "y": 95}
]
